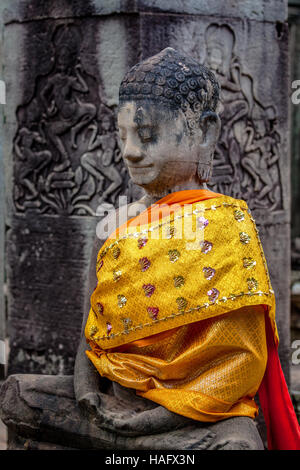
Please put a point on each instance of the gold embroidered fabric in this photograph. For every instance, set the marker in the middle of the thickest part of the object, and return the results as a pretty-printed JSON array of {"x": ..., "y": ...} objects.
[
  {"x": 179, "y": 310},
  {"x": 155, "y": 278},
  {"x": 208, "y": 370}
]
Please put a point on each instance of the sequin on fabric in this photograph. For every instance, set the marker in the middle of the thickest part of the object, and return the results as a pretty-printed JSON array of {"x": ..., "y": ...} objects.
[
  {"x": 244, "y": 238},
  {"x": 116, "y": 252},
  {"x": 142, "y": 242},
  {"x": 252, "y": 283},
  {"x": 249, "y": 263},
  {"x": 122, "y": 300},
  {"x": 153, "y": 312},
  {"x": 173, "y": 255},
  {"x": 208, "y": 273},
  {"x": 205, "y": 246},
  {"x": 213, "y": 294},
  {"x": 127, "y": 322},
  {"x": 181, "y": 303},
  {"x": 170, "y": 232},
  {"x": 93, "y": 330},
  {"x": 117, "y": 275},
  {"x": 202, "y": 222},
  {"x": 100, "y": 308},
  {"x": 149, "y": 289},
  {"x": 239, "y": 215},
  {"x": 178, "y": 281},
  {"x": 144, "y": 264}
]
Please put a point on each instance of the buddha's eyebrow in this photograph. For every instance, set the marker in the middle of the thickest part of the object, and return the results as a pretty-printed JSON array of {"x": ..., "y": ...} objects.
[{"x": 141, "y": 119}]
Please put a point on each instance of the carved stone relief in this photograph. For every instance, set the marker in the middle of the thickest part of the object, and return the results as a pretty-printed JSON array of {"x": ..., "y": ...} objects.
[
  {"x": 246, "y": 161},
  {"x": 247, "y": 155},
  {"x": 67, "y": 158}
]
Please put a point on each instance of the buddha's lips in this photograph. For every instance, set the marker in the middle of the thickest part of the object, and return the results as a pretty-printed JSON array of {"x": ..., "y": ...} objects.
[{"x": 131, "y": 167}]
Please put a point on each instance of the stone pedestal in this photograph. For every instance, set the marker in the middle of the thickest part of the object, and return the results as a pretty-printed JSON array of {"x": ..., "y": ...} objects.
[{"x": 41, "y": 413}]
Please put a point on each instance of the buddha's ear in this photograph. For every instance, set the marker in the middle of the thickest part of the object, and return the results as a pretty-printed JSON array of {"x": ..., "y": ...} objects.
[{"x": 210, "y": 124}]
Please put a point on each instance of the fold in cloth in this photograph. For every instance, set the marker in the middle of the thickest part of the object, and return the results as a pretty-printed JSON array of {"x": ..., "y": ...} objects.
[{"x": 208, "y": 369}]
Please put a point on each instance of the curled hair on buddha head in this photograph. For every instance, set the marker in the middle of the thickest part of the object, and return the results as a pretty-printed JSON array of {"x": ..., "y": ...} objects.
[{"x": 175, "y": 80}]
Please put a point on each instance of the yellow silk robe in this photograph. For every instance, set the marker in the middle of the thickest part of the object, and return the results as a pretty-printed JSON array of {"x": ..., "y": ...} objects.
[{"x": 179, "y": 310}]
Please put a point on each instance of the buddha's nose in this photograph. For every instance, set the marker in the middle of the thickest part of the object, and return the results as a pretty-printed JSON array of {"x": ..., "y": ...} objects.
[{"x": 132, "y": 152}]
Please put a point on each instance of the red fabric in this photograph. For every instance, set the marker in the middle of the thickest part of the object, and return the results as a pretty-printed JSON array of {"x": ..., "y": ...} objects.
[{"x": 282, "y": 426}]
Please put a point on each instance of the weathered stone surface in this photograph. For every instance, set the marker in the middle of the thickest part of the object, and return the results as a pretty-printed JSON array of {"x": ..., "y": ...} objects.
[
  {"x": 35, "y": 406},
  {"x": 55, "y": 175},
  {"x": 294, "y": 25},
  {"x": 2, "y": 227},
  {"x": 47, "y": 261},
  {"x": 259, "y": 10},
  {"x": 262, "y": 10}
]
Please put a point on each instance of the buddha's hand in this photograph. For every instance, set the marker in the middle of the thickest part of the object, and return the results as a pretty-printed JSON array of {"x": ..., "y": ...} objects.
[
  {"x": 153, "y": 421},
  {"x": 89, "y": 404},
  {"x": 87, "y": 383}
]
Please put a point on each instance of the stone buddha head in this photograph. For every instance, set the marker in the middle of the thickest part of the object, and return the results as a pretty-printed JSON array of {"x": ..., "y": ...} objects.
[{"x": 168, "y": 124}]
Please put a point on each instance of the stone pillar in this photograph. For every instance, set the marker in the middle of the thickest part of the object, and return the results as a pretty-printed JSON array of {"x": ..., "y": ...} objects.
[
  {"x": 2, "y": 300},
  {"x": 62, "y": 158},
  {"x": 294, "y": 28},
  {"x": 294, "y": 23},
  {"x": 2, "y": 219},
  {"x": 61, "y": 162}
]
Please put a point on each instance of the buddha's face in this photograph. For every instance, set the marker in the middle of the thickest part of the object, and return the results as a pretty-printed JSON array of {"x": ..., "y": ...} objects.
[{"x": 156, "y": 145}]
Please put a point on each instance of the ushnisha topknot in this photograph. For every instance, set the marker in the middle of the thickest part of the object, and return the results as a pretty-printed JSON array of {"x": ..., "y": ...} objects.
[{"x": 174, "y": 79}]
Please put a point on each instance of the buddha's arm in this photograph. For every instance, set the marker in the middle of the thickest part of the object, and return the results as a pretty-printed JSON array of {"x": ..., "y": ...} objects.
[
  {"x": 86, "y": 377},
  {"x": 87, "y": 381}
]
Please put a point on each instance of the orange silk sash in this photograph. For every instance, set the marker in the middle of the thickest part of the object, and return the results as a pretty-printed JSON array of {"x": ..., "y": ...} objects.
[{"x": 157, "y": 211}]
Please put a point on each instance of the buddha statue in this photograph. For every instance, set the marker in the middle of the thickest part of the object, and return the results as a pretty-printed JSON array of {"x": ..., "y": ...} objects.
[
  {"x": 177, "y": 335},
  {"x": 169, "y": 127}
]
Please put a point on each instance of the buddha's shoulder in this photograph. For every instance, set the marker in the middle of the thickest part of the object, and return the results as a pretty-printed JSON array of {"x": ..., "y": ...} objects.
[
  {"x": 226, "y": 201},
  {"x": 227, "y": 212},
  {"x": 115, "y": 218}
]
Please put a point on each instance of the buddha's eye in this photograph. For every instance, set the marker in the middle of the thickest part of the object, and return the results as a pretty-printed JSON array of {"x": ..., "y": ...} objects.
[{"x": 145, "y": 133}]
